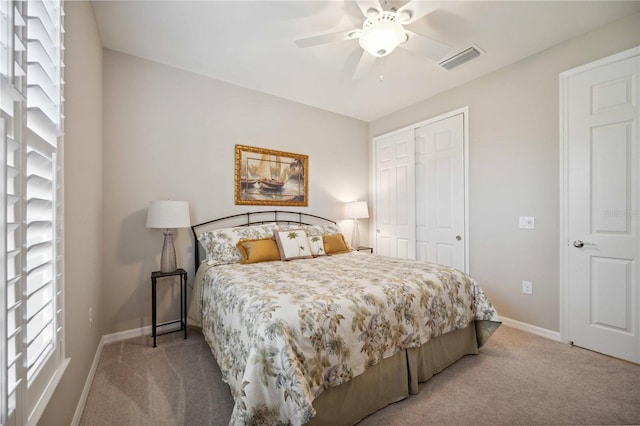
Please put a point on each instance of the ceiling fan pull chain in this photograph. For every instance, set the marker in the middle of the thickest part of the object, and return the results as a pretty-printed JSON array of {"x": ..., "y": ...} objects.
[{"x": 381, "y": 74}]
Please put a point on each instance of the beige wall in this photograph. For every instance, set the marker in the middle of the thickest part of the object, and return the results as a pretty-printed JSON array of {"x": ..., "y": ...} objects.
[
  {"x": 171, "y": 134},
  {"x": 514, "y": 168},
  {"x": 83, "y": 207}
]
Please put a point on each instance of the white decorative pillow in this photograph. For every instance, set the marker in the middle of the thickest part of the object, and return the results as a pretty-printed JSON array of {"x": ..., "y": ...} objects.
[
  {"x": 292, "y": 244},
  {"x": 220, "y": 244},
  {"x": 316, "y": 244}
]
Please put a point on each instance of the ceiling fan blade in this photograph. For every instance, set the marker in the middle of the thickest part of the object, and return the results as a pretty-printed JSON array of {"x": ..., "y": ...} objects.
[
  {"x": 328, "y": 38},
  {"x": 364, "y": 66},
  {"x": 369, "y": 8},
  {"x": 426, "y": 46},
  {"x": 414, "y": 10}
]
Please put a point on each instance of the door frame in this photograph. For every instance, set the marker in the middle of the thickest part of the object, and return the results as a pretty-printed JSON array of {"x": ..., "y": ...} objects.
[
  {"x": 564, "y": 180},
  {"x": 465, "y": 118}
]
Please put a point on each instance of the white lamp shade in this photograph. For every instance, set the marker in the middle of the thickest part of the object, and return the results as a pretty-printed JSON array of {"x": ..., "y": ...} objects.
[
  {"x": 168, "y": 214},
  {"x": 356, "y": 210}
]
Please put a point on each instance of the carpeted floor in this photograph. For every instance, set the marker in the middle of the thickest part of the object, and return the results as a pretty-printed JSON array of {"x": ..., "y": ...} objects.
[{"x": 518, "y": 378}]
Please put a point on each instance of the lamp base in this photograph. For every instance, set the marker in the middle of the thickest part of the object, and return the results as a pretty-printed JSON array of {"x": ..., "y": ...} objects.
[
  {"x": 355, "y": 237},
  {"x": 168, "y": 259}
]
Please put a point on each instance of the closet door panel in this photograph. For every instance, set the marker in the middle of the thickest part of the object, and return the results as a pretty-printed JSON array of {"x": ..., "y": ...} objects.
[
  {"x": 440, "y": 192},
  {"x": 395, "y": 195}
]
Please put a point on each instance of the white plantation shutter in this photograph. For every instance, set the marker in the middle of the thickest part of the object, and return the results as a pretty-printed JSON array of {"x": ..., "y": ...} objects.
[{"x": 31, "y": 128}]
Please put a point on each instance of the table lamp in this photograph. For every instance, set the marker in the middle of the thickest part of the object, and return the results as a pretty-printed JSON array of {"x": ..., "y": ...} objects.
[
  {"x": 168, "y": 214},
  {"x": 356, "y": 210}
]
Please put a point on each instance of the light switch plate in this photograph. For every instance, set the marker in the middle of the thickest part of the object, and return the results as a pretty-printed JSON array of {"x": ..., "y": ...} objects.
[{"x": 527, "y": 222}]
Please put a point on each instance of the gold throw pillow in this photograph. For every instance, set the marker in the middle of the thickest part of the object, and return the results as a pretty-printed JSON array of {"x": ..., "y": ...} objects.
[
  {"x": 262, "y": 250},
  {"x": 335, "y": 244}
]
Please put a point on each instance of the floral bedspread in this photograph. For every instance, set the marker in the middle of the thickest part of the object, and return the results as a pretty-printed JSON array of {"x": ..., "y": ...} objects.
[{"x": 282, "y": 332}]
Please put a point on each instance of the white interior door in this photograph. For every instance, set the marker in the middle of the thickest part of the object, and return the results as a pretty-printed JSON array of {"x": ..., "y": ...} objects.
[
  {"x": 395, "y": 199},
  {"x": 440, "y": 209},
  {"x": 603, "y": 199}
]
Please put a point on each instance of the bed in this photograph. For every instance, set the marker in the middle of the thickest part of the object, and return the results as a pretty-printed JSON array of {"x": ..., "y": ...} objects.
[{"x": 326, "y": 339}]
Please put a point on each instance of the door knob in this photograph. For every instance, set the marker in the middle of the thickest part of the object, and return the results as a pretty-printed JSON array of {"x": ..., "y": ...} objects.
[
  {"x": 458, "y": 237},
  {"x": 580, "y": 244}
]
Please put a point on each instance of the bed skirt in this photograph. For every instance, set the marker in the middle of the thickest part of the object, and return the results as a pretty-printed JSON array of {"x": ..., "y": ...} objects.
[{"x": 393, "y": 379}]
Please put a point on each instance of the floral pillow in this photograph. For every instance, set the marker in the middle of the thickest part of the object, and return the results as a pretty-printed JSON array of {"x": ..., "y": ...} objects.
[
  {"x": 292, "y": 244},
  {"x": 313, "y": 230},
  {"x": 220, "y": 244}
]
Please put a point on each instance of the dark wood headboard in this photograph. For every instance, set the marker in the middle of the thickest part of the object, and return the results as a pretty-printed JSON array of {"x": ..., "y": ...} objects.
[{"x": 254, "y": 218}]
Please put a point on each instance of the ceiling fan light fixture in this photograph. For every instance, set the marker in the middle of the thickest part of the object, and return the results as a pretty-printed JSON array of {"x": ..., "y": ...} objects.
[{"x": 381, "y": 36}]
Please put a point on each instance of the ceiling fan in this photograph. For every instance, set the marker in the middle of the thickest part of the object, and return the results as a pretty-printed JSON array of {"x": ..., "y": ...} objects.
[{"x": 383, "y": 31}]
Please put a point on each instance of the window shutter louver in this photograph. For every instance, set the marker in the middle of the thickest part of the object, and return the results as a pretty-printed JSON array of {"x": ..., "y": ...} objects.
[{"x": 31, "y": 127}]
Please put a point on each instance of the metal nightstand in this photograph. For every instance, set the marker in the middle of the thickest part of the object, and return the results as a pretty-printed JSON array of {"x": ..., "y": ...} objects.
[{"x": 183, "y": 302}]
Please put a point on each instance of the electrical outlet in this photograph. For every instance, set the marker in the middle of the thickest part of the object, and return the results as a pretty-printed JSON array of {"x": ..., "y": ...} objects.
[
  {"x": 527, "y": 287},
  {"x": 90, "y": 317}
]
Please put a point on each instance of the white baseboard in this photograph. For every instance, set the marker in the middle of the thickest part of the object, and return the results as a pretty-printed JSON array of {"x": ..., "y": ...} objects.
[
  {"x": 533, "y": 329},
  {"x": 126, "y": 334},
  {"x": 105, "y": 340},
  {"x": 87, "y": 385},
  {"x": 137, "y": 332}
]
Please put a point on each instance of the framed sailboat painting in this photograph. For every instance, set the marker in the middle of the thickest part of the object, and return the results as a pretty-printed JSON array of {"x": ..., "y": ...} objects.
[{"x": 271, "y": 178}]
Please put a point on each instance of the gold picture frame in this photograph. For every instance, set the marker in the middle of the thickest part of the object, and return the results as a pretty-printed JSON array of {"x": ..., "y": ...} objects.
[{"x": 271, "y": 178}]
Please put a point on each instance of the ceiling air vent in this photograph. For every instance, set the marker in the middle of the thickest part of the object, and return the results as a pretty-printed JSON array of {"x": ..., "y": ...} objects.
[{"x": 461, "y": 57}]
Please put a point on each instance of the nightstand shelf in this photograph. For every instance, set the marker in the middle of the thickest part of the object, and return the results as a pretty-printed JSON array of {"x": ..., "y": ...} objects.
[
  {"x": 363, "y": 248},
  {"x": 183, "y": 303}
]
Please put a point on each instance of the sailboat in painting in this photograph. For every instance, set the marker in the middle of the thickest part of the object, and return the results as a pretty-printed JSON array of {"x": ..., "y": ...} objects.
[
  {"x": 273, "y": 174},
  {"x": 247, "y": 171}
]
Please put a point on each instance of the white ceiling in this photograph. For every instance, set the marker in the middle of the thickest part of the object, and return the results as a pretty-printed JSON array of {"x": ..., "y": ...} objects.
[{"x": 251, "y": 44}]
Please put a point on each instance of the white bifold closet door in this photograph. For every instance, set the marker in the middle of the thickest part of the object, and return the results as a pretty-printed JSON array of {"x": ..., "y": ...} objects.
[{"x": 420, "y": 194}]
